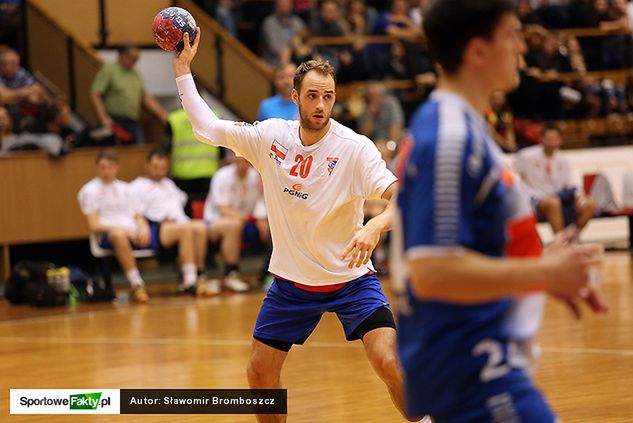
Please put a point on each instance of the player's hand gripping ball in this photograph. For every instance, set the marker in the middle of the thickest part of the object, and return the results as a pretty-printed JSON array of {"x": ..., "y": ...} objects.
[{"x": 169, "y": 26}]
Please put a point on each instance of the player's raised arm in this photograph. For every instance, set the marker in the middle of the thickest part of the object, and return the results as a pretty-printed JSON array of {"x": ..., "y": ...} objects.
[{"x": 207, "y": 127}]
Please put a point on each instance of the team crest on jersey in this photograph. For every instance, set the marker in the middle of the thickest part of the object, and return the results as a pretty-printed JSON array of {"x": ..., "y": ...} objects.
[
  {"x": 331, "y": 162},
  {"x": 277, "y": 152}
]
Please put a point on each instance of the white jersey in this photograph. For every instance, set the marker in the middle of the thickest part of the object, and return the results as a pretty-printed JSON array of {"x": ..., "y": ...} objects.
[
  {"x": 227, "y": 189},
  {"x": 314, "y": 194},
  {"x": 543, "y": 176},
  {"x": 160, "y": 200},
  {"x": 114, "y": 203}
]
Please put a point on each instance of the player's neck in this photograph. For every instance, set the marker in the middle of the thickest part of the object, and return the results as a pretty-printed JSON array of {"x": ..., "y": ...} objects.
[
  {"x": 310, "y": 137},
  {"x": 472, "y": 92}
]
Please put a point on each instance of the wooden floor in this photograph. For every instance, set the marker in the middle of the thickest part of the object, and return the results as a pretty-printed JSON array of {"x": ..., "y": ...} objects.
[{"x": 586, "y": 368}]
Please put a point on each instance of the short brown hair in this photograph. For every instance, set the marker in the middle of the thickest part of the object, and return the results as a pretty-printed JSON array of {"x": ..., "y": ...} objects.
[
  {"x": 323, "y": 67},
  {"x": 108, "y": 154}
]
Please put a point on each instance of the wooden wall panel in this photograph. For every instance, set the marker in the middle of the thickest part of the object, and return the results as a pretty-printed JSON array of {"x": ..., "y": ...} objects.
[
  {"x": 79, "y": 17},
  {"x": 131, "y": 20},
  {"x": 38, "y": 198}
]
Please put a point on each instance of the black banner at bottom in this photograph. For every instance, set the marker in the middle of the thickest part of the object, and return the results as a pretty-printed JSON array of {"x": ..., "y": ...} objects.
[{"x": 204, "y": 401}]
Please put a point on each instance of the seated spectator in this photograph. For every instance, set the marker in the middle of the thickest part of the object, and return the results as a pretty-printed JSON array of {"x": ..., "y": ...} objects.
[
  {"x": 24, "y": 93},
  {"x": 9, "y": 141},
  {"x": 396, "y": 23},
  {"x": 527, "y": 14},
  {"x": 162, "y": 203},
  {"x": 281, "y": 105},
  {"x": 547, "y": 176},
  {"x": 224, "y": 16},
  {"x": 382, "y": 119},
  {"x": 278, "y": 31},
  {"x": 501, "y": 122},
  {"x": 10, "y": 21},
  {"x": 235, "y": 213},
  {"x": 113, "y": 213},
  {"x": 329, "y": 24},
  {"x": 417, "y": 13},
  {"x": 117, "y": 94}
]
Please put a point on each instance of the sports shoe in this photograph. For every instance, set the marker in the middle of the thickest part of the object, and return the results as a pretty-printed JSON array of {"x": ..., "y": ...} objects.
[
  {"x": 139, "y": 295},
  {"x": 202, "y": 288},
  {"x": 234, "y": 282}
]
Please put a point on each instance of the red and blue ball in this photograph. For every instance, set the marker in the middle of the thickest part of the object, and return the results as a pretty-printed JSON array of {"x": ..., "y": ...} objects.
[{"x": 170, "y": 25}]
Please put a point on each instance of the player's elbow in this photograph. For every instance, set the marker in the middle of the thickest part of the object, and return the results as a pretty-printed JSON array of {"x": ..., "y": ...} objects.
[{"x": 203, "y": 136}]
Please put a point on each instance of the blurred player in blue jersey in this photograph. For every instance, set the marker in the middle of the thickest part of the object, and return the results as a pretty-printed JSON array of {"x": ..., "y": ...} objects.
[{"x": 472, "y": 277}]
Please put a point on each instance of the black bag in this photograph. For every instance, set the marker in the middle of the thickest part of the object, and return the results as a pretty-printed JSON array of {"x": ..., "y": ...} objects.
[
  {"x": 29, "y": 284},
  {"x": 89, "y": 290}
]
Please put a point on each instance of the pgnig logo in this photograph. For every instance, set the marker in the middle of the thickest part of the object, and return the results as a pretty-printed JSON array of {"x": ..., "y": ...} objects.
[
  {"x": 296, "y": 191},
  {"x": 91, "y": 401}
]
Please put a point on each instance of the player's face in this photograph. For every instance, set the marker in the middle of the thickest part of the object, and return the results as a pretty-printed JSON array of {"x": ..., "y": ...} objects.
[
  {"x": 552, "y": 140},
  {"x": 107, "y": 170},
  {"x": 157, "y": 168},
  {"x": 504, "y": 54},
  {"x": 315, "y": 100}
]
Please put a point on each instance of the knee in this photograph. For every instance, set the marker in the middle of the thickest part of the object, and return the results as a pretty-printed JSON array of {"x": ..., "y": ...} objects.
[
  {"x": 389, "y": 367},
  {"x": 260, "y": 375},
  {"x": 551, "y": 205},
  {"x": 588, "y": 206},
  {"x": 117, "y": 234}
]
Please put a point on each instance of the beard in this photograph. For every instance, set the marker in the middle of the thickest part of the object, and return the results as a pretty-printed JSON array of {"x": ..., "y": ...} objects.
[{"x": 305, "y": 119}]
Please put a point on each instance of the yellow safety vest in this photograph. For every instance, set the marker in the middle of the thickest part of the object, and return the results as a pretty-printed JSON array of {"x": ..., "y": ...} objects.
[{"x": 190, "y": 158}]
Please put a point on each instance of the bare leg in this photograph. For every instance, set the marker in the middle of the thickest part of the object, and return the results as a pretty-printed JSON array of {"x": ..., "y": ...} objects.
[
  {"x": 552, "y": 209},
  {"x": 264, "y": 372},
  {"x": 122, "y": 249},
  {"x": 229, "y": 232},
  {"x": 200, "y": 243},
  {"x": 380, "y": 347},
  {"x": 585, "y": 207},
  {"x": 170, "y": 233}
]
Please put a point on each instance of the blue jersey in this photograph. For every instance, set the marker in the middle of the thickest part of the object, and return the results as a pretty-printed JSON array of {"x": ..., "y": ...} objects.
[{"x": 456, "y": 193}]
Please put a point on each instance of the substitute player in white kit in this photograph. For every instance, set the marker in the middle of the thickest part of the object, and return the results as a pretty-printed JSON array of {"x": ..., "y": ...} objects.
[{"x": 316, "y": 175}]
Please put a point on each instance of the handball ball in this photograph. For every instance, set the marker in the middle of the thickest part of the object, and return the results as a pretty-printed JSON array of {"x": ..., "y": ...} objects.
[{"x": 169, "y": 27}]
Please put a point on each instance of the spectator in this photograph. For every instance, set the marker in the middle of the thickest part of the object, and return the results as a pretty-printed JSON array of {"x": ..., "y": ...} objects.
[
  {"x": 225, "y": 17},
  {"x": 501, "y": 122},
  {"x": 161, "y": 203},
  {"x": 9, "y": 141},
  {"x": 383, "y": 118},
  {"x": 396, "y": 23},
  {"x": 328, "y": 24},
  {"x": 10, "y": 21},
  {"x": 193, "y": 163},
  {"x": 547, "y": 176},
  {"x": 23, "y": 92},
  {"x": 278, "y": 31},
  {"x": 117, "y": 94},
  {"x": 114, "y": 214},
  {"x": 417, "y": 13},
  {"x": 280, "y": 105},
  {"x": 234, "y": 212},
  {"x": 527, "y": 14}
]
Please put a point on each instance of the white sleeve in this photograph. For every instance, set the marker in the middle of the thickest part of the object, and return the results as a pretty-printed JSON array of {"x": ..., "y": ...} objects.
[
  {"x": 137, "y": 196},
  {"x": 372, "y": 176},
  {"x": 87, "y": 202},
  {"x": 243, "y": 138},
  {"x": 220, "y": 192}
]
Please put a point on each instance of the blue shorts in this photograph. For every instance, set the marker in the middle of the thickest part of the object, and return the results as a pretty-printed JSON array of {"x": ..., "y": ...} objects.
[
  {"x": 154, "y": 244},
  {"x": 289, "y": 314},
  {"x": 512, "y": 399}
]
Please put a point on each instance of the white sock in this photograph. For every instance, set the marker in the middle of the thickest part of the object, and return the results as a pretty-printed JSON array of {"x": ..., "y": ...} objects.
[
  {"x": 189, "y": 274},
  {"x": 134, "y": 277}
]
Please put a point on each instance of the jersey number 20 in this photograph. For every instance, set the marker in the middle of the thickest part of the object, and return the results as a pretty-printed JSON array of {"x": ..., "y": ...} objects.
[{"x": 304, "y": 166}]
